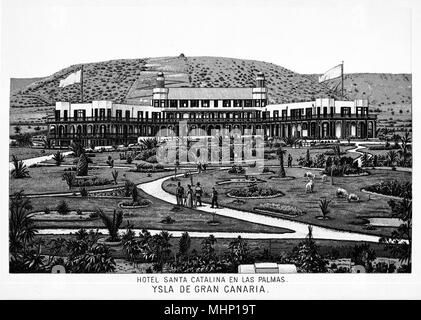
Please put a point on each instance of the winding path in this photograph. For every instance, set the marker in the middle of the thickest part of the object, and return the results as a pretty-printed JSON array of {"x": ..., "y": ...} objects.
[{"x": 154, "y": 188}]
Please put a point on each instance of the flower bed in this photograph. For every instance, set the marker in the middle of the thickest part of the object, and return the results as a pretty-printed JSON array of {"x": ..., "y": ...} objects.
[
  {"x": 143, "y": 203},
  {"x": 279, "y": 208},
  {"x": 392, "y": 188},
  {"x": 254, "y": 192},
  {"x": 70, "y": 216},
  {"x": 148, "y": 167},
  {"x": 90, "y": 182},
  {"x": 116, "y": 193}
]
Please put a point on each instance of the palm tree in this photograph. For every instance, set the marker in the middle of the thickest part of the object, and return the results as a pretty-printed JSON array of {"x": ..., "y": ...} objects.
[
  {"x": 281, "y": 153},
  {"x": 114, "y": 173},
  {"x": 404, "y": 151},
  {"x": 21, "y": 225},
  {"x": 20, "y": 170},
  {"x": 58, "y": 158},
  {"x": 24, "y": 140},
  {"x": 396, "y": 138},
  {"x": 392, "y": 157},
  {"x": 46, "y": 142},
  {"x": 324, "y": 207},
  {"x": 77, "y": 149},
  {"x": 112, "y": 224},
  {"x": 17, "y": 129},
  {"x": 149, "y": 143}
]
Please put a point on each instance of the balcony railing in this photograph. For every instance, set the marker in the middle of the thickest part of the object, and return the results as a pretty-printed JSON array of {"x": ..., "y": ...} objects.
[{"x": 114, "y": 120}]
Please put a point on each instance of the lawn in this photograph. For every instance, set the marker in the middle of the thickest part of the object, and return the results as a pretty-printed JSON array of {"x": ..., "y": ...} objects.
[
  {"x": 48, "y": 179},
  {"x": 24, "y": 153},
  {"x": 149, "y": 217},
  {"x": 343, "y": 215}
]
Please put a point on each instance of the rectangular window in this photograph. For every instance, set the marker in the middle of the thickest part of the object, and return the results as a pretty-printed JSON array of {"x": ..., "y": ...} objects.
[
  {"x": 127, "y": 114},
  {"x": 215, "y": 103},
  {"x": 309, "y": 112},
  {"x": 57, "y": 114},
  {"x": 65, "y": 115},
  {"x": 263, "y": 103},
  {"x": 284, "y": 114},
  {"x": 194, "y": 103},
  {"x": 332, "y": 111},
  {"x": 81, "y": 114},
  {"x": 318, "y": 112},
  {"x": 119, "y": 114},
  {"x": 276, "y": 114},
  {"x": 238, "y": 103},
  {"x": 173, "y": 103},
  {"x": 147, "y": 115},
  {"x": 184, "y": 103},
  {"x": 109, "y": 113},
  {"x": 102, "y": 113},
  {"x": 257, "y": 103},
  {"x": 325, "y": 112},
  {"x": 139, "y": 115},
  {"x": 75, "y": 114},
  {"x": 205, "y": 103},
  {"x": 226, "y": 103},
  {"x": 163, "y": 102},
  {"x": 156, "y": 103},
  {"x": 248, "y": 103}
]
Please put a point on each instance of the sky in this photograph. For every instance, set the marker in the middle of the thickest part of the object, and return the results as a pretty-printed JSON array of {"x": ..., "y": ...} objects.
[{"x": 41, "y": 37}]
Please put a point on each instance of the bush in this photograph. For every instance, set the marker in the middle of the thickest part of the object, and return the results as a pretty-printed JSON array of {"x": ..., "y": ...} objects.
[
  {"x": 63, "y": 208},
  {"x": 47, "y": 210},
  {"x": 152, "y": 159},
  {"x": 168, "y": 220},
  {"x": 83, "y": 192},
  {"x": 392, "y": 188}
]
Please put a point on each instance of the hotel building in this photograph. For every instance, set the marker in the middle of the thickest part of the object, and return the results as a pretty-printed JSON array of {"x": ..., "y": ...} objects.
[{"x": 105, "y": 123}]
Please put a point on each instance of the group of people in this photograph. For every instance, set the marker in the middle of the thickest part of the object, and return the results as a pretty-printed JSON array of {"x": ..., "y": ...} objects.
[
  {"x": 201, "y": 167},
  {"x": 192, "y": 198}
]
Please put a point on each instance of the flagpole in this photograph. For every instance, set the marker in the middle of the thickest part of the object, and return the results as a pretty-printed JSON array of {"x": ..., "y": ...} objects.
[
  {"x": 81, "y": 84},
  {"x": 342, "y": 79}
]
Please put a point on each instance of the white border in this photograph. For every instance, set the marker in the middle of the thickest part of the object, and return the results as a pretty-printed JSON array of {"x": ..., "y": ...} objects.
[{"x": 298, "y": 286}]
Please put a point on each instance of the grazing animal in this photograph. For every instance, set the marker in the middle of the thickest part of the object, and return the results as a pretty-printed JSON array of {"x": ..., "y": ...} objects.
[
  {"x": 353, "y": 197},
  {"x": 341, "y": 193},
  {"x": 324, "y": 178},
  {"x": 309, "y": 175},
  {"x": 310, "y": 186}
]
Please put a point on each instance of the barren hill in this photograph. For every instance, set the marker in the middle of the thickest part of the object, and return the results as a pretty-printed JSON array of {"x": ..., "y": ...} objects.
[
  {"x": 131, "y": 81},
  {"x": 127, "y": 81}
]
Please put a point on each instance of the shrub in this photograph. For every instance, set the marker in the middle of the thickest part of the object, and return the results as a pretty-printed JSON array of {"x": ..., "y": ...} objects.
[
  {"x": 47, "y": 210},
  {"x": 168, "y": 220},
  {"x": 20, "y": 170},
  {"x": 58, "y": 158},
  {"x": 83, "y": 192},
  {"x": 392, "y": 188},
  {"x": 63, "y": 208}
]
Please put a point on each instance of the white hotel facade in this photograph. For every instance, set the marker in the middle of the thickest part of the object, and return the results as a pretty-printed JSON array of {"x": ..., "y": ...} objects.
[{"x": 104, "y": 123}]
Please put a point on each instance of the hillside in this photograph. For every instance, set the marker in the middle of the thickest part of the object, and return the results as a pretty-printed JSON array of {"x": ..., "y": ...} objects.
[
  {"x": 380, "y": 88},
  {"x": 127, "y": 81},
  {"x": 131, "y": 81}
]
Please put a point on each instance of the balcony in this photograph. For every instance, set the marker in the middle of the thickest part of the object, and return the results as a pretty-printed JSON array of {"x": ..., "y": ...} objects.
[{"x": 172, "y": 121}]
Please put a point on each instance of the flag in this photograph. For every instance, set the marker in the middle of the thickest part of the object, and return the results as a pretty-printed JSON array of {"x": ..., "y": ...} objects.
[
  {"x": 333, "y": 73},
  {"x": 72, "y": 78}
]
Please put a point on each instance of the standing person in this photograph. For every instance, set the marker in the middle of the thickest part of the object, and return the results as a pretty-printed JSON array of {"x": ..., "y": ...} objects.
[
  {"x": 179, "y": 193},
  {"x": 198, "y": 193},
  {"x": 214, "y": 198},
  {"x": 199, "y": 167},
  {"x": 189, "y": 196},
  {"x": 289, "y": 161}
]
